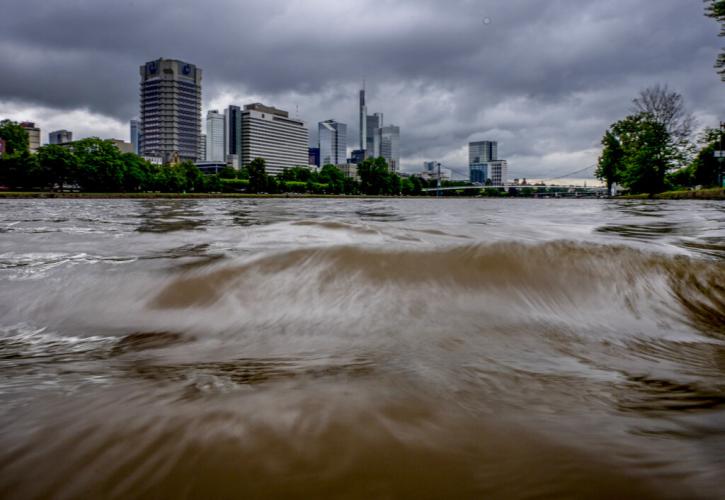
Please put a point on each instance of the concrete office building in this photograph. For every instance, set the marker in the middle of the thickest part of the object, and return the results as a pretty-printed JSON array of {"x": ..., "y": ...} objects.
[
  {"x": 135, "y": 133},
  {"x": 270, "y": 133},
  {"x": 60, "y": 137},
  {"x": 215, "y": 144},
  {"x": 170, "y": 110},
  {"x": 498, "y": 172},
  {"x": 332, "y": 143},
  {"x": 202, "y": 147},
  {"x": 390, "y": 146},
  {"x": 123, "y": 146},
  {"x": 233, "y": 136},
  {"x": 33, "y": 136}
]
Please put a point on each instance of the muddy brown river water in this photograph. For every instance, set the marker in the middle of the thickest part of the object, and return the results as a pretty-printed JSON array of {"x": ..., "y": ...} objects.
[{"x": 362, "y": 349}]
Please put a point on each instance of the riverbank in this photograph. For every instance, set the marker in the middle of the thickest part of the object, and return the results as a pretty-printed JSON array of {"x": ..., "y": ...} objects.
[
  {"x": 699, "y": 194},
  {"x": 144, "y": 196}
]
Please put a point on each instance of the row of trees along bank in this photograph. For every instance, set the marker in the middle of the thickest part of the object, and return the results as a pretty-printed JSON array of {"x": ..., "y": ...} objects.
[
  {"x": 652, "y": 150},
  {"x": 95, "y": 165}
]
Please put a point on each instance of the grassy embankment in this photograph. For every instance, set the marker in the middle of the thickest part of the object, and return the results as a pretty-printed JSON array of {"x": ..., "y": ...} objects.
[
  {"x": 699, "y": 194},
  {"x": 47, "y": 194}
]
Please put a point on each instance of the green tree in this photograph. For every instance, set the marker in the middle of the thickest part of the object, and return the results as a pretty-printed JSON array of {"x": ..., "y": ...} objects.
[
  {"x": 58, "y": 165},
  {"x": 706, "y": 170},
  {"x": 228, "y": 173},
  {"x": 647, "y": 153},
  {"x": 609, "y": 167},
  {"x": 333, "y": 177},
  {"x": 15, "y": 137},
  {"x": 194, "y": 177},
  {"x": 375, "y": 177},
  {"x": 257, "y": 175},
  {"x": 716, "y": 10},
  {"x": 100, "y": 165}
]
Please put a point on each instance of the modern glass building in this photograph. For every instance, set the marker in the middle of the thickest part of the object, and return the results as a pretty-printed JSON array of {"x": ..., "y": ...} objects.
[
  {"x": 233, "y": 136},
  {"x": 332, "y": 143},
  {"x": 135, "y": 135},
  {"x": 374, "y": 124},
  {"x": 390, "y": 146},
  {"x": 269, "y": 133},
  {"x": 215, "y": 146},
  {"x": 478, "y": 173},
  {"x": 314, "y": 156},
  {"x": 494, "y": 171},
  {"x": 170, "y": 110},
  {"x": 482, "y": 152}
]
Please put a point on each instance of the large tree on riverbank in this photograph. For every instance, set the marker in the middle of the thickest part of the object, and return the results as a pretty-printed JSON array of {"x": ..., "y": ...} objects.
[
  {"x": 637, "y": 153},
  {"x": 716, "y": 10}
]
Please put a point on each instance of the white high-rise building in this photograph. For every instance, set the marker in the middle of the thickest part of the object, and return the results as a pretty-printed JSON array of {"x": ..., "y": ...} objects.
[
  {"x": 498, "y": 172},
  {"x": 215, "y": 136},
  {"x": 269, "y": 133},
  {"x": 332, "y": 143}
]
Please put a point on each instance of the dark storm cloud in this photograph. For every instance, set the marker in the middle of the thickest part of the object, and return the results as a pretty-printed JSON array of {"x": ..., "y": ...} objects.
[{"x": 543, "y": 78}]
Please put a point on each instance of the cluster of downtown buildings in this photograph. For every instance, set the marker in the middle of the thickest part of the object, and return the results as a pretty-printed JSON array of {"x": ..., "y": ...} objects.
[
  {"x": 169, "y": 129},
  {"x": 170, "y": 122}
]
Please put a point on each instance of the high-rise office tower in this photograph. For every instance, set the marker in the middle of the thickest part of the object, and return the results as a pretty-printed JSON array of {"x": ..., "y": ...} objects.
[
  {"x": 390, "y": 146},
  {"x": 374, "y": 124},
  {"x": 332, "y": 142},
  {"x": 269, "y": 133},
  {"x": 363, "y": 120},
  {"x": 215, "y": 145},
  {"x": 170, "y": 110},
  {"x": 480, "y": 156},
  {"x": 233, "y": 136},
  {"x": 60, "y": 137},
  {"x": 482, "y": 152},
  {"x": 135, "y": 133}
]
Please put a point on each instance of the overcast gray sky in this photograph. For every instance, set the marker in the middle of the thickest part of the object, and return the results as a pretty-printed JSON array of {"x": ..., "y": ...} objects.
[{"x": 543, "y": 78}]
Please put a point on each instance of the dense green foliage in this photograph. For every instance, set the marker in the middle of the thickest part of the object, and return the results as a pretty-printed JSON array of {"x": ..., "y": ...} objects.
[
  {"x": 95, "y": 165},
  {"x": 637, "y": 152},
  {"x": 716, "y": 10},
  {"x": 705, "y": 169}
]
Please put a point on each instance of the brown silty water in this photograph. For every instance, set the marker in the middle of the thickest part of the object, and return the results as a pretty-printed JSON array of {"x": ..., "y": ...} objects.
[{"x": 362, "y": 349}]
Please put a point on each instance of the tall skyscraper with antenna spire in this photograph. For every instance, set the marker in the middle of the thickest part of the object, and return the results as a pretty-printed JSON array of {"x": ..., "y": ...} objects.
[{"x": 363, "y": 119}]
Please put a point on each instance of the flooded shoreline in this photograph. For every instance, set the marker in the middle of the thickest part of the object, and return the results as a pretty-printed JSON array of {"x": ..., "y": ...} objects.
[{"x": 362, "y": 348}]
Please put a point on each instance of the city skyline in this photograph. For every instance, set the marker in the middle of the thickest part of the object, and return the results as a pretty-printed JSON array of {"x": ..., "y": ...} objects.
[{"x": 477, "y": 78}]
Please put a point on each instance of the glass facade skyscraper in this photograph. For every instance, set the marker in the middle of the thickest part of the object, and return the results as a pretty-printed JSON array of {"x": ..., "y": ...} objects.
[
  {"x": 332, "y": 142},
  {"x": 215, "y": 148},
  {"x": 233, "y": 135}
]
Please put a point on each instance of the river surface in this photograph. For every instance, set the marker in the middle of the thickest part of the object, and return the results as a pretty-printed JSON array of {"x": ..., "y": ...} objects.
[{"x": 362, "y": 349}]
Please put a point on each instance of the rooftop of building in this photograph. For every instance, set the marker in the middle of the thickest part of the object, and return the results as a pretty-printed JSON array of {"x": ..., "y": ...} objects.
[{"x": 258, "y": 106}]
